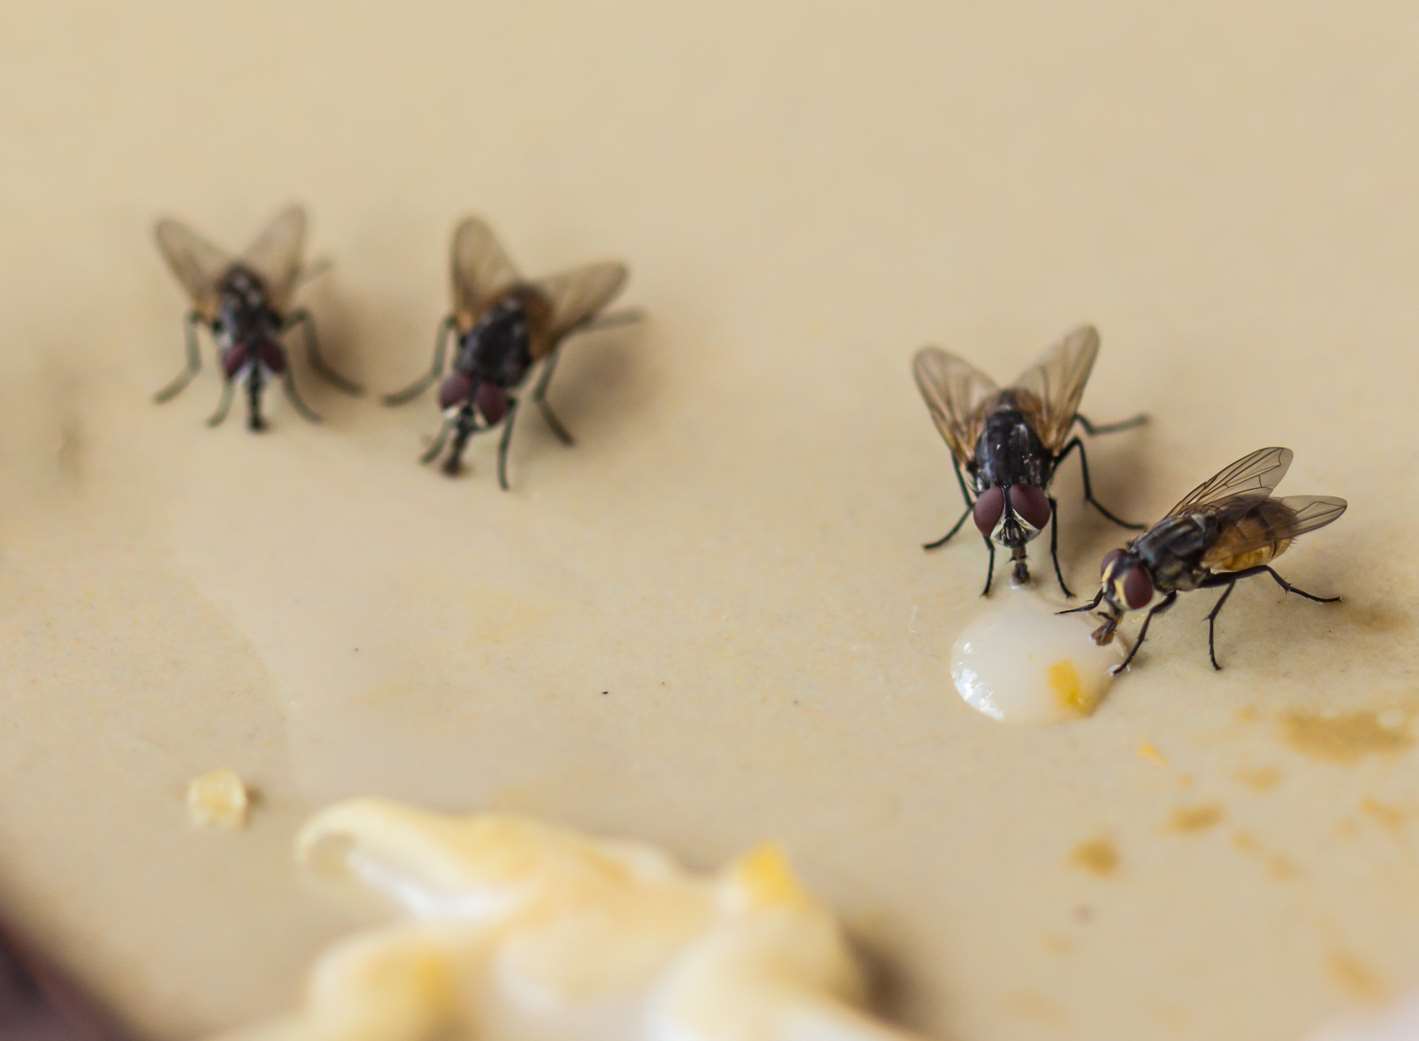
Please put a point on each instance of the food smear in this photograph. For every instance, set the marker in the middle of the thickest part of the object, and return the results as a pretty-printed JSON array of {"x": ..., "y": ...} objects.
[
  {"x": 218, "y": 799},
  {"x": 518, "y": 930},
  {"x": 1020, "y": 662}
]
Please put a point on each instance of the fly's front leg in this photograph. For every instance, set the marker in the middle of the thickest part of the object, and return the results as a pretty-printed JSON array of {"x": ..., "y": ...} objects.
[
  {"x": 1212, "y": 623},
  {"x": 322, "y": 368},
  {"x": 1110, "y": 428},
  {"x": 505, "y": 440},
  {"x": 409, "y": 393},
  {"x": 1078, "y": 445},
  {"x": 1230, "y": 580},
  {"x": 539, "y": 395},
  {"x": 1098, "y": 598},
  {"x": 436, "y": 444},
  {"x": 966, "y": 495},
  {"x": 989, "y": 567},
  {"x": 1054, "y": 545},
  {"x": 223, "y": 405},
  {"x": 254, "y": 422},
  {"x": 1168, "y": 602},
  {"x": 194, "y": 361}
]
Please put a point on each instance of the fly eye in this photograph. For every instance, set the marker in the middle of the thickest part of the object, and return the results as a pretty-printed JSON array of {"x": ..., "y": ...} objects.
[
  {"x": 1030, "y": 502},
  {"x": 1137, "y": 587},
  {"x": 988, "y": 509},
  {"x": 1111, "y": 558}
]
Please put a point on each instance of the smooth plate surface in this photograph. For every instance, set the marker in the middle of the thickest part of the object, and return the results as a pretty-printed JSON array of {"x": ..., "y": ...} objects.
[{"x": 710, "y": 622}]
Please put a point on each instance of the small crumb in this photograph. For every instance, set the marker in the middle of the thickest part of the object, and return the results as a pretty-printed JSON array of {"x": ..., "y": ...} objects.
[
  {"x": 1342, "y": 738},
  {"x": 1195, "y": 818},
  {"x": 1148, "y": 750},
  {"x": 218, "y": 799},
  {"x": 1097, "y": 856},
  {"x": 1261, "y": 779},
  {"x": 1355, "y": 977},
  {"x": 605, "y": 692},
  {"x": 1391, "y": 817}
]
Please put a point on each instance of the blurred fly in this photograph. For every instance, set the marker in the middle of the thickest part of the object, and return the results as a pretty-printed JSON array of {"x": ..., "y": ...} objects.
[
  {"x": 245, "y": 303},
  {"x": 1226, "y": 529},
  {"x": 1011, "y": 442},
  {"x": 506, "y": 325}
]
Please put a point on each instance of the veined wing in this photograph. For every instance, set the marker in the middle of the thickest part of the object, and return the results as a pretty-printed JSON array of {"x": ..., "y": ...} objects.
[
  {"x": 197, "y": 263},
  {"x": 480, "y": 268},
  {"x": 1253, "y": 476},
  {"x": 277, "y": 255},
  {"x": 956, "y": 393},
  {"x": 578, "y": 295},
  {"x": 1257, "y": 530},
  {"x": 1053, "y": 387}
]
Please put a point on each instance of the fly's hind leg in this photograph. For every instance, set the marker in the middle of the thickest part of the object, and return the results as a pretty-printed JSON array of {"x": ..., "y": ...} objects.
[
  {"x": 1230, "y": 580},
  {"x": 539, "y": 396},
  {"x": 1212, "y": 623},
  {"x": 504, "y": 441},
  {"x": 1054, "y": 545},
  {"x": 288, "y": 381},
  {"x": 1076, "y": 444},
  {"x": 322, "y": 368}
]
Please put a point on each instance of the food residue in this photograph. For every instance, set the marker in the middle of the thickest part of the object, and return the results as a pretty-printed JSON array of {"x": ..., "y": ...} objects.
[
  {"x": 1391, "y": 817},
  {"x": 1020, "y": 662},
  {"x": 1355, "y": 977},
  {"x": 1346, "y": 738},
  {"x": 1148, "y": 750},
  {"x": 520, "y": 930},
  {"x": 218, "y": 799},
  {"x": 1261, "y": 778},
  {"x": 1195, "y": 818},
  {"x": 1278, "y": 865},
  {"x": 1097, "y": 856}
]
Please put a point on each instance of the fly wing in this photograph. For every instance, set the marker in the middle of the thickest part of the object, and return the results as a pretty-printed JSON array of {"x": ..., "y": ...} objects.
[
  {"x": 277, "y": 255},
  {"x": 480, "y": 267},
  {"x": 578, "y": 295},
  {"x": 956, "y": 393},
  {"x": 1053, "y": 387},
  {"x": 1257, "y": 530},
  {"x": 197, "y": 263},
  {"x": 1253, "y": 476}
]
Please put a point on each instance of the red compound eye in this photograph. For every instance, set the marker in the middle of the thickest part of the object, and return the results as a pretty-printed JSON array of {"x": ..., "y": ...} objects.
[
  {"x": 1137, "y": 587},
  {"x": 455, "y": 389},
  {"x": 1111, "y": 558},
  {"x": 1031, "y": 504},
  {"x": 988, "y": 509}
]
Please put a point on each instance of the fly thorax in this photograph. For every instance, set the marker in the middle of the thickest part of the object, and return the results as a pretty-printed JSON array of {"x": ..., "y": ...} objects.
[{"x": 498, "y": 349}]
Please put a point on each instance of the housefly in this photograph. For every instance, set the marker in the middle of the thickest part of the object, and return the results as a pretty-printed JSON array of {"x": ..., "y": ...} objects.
[
  {"x": 1011, "y": 441},
  {"x": 1226, "y": 529},
  {"x": 245, "y": 303},
  {"x": 505, "y": 325}
]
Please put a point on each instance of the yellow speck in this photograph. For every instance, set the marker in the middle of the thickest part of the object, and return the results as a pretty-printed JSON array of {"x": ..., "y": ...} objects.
[
  {"x": 1148, "y": 750},
  {"x": 1343, "y": 738},
  {"x": 217, "y": 799},
  {"x": 1261, "y": 779},
  {"x": 1096, "y": 856},
  {"x": 1248, "y": 714},
  {"x": 1391, "y": 817},
  {"x": 1184, "y": 780},
  {"x": 1068, "y": 689},
  {"x": 1195, "y": 818},
  {"x": 1355, "y": 977},
  {"x": 768, "y": 879}
]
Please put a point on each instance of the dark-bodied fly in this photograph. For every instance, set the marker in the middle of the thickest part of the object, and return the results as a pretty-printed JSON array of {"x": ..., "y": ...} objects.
[
  {"x": 506, "y": 325},
  {"x": 245, "y": 303},
  {"x": 1011, "y": 441},
  {"x": 1226, "y": 529}
]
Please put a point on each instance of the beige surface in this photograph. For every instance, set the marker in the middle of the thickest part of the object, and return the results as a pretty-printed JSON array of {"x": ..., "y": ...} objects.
[{"x": 710, "y": 622}]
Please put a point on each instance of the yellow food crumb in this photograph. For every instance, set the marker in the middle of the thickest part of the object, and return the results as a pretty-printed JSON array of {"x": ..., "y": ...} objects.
[
  {"x": 1068, "y": 689},
  {"x": 1096, "y": 856},
  {"x": 1355, "y": 977},
  {"x": 768, "y": 878},
  {"x": 1148, "y": 750},
  {"x": 218, "y": 799},
  {"x": 1195, "y": 818},
  {"x": 1344, "y": 738}
]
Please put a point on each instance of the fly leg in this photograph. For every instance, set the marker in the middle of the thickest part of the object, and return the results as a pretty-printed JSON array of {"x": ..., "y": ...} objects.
[
  {"x": 989, "y": 567},
  {"x": 409, "y": 393},
  {"x": 224, "y": 405},
  {"x": 436, "y": 445},
  {"x": 1054, "y": 545},
  {"x": 956, "y": 465},
  {"x": 539, "y": 396},
  {"x": 1110, "y": 428},
  {"x": 194, "y": 362},
  {"x": 1098, "y": 598},
  {"x": 1088, "y": 488},
  {"x": 1168, "y": 602},
  {"x": 254, "y": 422},
  {"x": 1212, "y": 623},
  {"x": 322, "y": 368},
  {"x": 289, "y": 382},
  {"x": 504, "y": 441},
  {"x": 463, "y": 430}
]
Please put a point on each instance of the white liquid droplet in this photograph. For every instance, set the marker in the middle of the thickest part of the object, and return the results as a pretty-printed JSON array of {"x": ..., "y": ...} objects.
[{"x": 1019, "y": 662}]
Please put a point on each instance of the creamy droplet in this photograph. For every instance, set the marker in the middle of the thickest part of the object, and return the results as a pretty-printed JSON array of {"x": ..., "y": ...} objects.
[{"x": 1019, "y": 662}]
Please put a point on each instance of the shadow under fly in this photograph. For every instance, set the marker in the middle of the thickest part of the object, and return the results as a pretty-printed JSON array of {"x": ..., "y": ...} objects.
[
  {"x": 245, "y": 304},
  {"x": 1011, "y": 441},
  {"x": 505, "y": 326}
]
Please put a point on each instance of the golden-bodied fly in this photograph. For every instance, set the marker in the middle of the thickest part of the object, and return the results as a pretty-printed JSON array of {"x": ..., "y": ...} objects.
[
  {"x": 1226, "y": 529},
  {"x": 245, "y": 303},
  {"x": 1011, "y": 441},
  {"x": 505, "y": 324}
]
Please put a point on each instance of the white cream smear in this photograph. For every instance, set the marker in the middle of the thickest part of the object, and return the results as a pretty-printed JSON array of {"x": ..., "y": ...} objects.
[
  {"x": 1020, "y": 662},
  {"x": 515, "y": 930}
]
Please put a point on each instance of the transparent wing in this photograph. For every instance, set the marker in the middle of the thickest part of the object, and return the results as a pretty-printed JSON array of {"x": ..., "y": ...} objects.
[
  {"x": 277, "y": 255},
  {"x": 955, "y": 392},
  {"x": 1253, "y": 476},
  {"x": 1255, "y": 530},
  {"x": 197, "y": 263},
  {"x": 481, "y": 267},
  {"x": 578, "y": 295},
  {"x": 1054, "y": 385}
]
